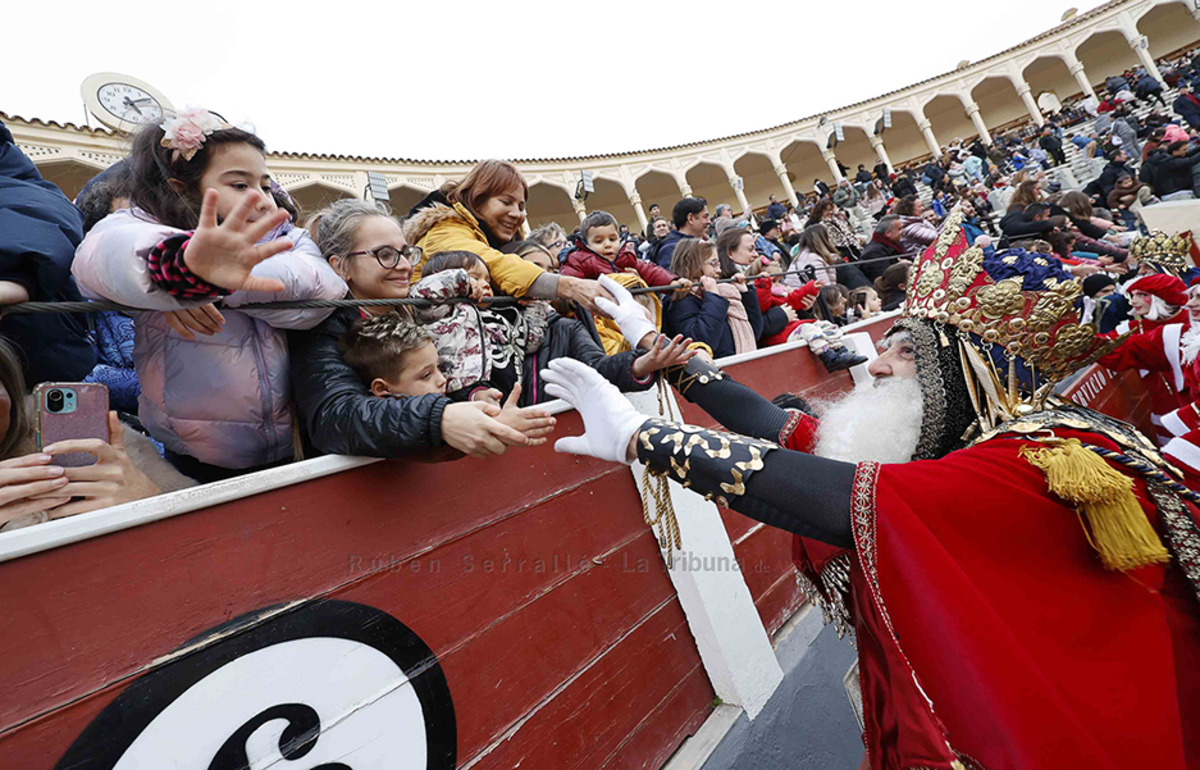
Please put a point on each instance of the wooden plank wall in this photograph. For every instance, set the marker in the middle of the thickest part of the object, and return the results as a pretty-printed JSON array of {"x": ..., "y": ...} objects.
[{"x": 585, "y": 661}]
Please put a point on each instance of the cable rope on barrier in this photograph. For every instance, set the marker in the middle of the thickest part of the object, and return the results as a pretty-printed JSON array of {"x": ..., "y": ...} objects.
[{"x": 101, "y": 306}]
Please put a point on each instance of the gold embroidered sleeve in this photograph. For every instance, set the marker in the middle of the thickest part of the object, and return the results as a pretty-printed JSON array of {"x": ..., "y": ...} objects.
[{"x": 713, "y": 463}]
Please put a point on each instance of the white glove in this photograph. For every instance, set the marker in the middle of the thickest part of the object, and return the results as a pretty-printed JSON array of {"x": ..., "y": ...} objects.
[
  {"x": 609, "y": 420},
  {"x": 628, "y": 314}
]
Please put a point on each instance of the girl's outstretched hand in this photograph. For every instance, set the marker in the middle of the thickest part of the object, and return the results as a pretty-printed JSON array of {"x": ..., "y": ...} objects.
[
  {"x": 664, "y": 353},
  {"x": 534, "y": 421},
  {"x": 224, "y": 254}
]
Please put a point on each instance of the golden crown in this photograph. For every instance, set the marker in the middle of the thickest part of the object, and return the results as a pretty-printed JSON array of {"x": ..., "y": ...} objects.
[
  {"x": 1167, "y": 252},
  {"x": 950, "y": 286}
]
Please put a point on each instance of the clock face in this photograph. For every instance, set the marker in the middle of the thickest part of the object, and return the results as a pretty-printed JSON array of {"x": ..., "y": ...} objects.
[{"x": 129, "y": 104}]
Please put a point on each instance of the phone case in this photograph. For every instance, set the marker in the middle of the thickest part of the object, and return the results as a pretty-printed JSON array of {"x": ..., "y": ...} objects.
[{"x": 89, "y": 420}]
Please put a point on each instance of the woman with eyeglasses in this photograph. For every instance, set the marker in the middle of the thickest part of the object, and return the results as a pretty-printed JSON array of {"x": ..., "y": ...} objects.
[
  {"x": 367, "y": 248},
  {"x": 481, "y": 214}
]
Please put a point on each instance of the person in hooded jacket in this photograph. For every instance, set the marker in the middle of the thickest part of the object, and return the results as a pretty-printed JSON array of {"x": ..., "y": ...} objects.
[
  {"x": 39, "y": 232},
  {"x": 1171, "y": 170},
  {"x": 1187, "y": 106},
  {"x": 482, "y": 213},
  {"x": 1103, "y": 185}
]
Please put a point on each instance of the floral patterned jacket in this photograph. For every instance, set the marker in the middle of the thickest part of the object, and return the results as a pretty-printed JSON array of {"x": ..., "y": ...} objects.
[{"x": 478, "y": 347}]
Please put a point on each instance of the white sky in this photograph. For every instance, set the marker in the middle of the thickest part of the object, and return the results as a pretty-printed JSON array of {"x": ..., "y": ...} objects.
[{"x": 464, "y": 80}]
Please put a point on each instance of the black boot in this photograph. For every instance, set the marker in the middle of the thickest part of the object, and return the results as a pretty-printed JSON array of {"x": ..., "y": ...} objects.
[{"x": 839, "y": 359}]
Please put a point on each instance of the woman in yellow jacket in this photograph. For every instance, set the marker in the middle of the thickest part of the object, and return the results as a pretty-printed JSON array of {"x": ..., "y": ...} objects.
[{"x": 481, "y": 214}]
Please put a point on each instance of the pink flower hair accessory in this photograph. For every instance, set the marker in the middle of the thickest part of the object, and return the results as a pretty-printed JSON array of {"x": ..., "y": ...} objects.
[{"x": 186, "y": 133}]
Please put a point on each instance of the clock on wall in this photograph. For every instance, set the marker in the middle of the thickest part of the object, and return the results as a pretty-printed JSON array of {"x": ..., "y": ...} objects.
[{"x": 123, "y": 103}]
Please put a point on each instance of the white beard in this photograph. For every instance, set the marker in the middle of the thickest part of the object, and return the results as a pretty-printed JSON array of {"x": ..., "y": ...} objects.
[
  {"x": 878, "y": 421},
  {"x": 1190, "y": 344}
]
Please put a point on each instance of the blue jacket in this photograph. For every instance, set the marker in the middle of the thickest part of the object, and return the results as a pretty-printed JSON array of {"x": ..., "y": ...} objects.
[
  {"x": 39, "y": 230},
  {"x": 1186, "y": 109},
  {"x": 766, "y": 248},
  {"x": 666, "y": 249},
  {"x": 705, "y": 320},
  {"x": 1116, "y": 83},
  {"x": 1146, "y": 83}
]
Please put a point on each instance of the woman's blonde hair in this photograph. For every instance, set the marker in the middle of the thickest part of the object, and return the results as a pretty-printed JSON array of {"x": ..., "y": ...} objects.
[
  {"x": 689, "y": 258},
  {"x": 815, "y": 238},
  {"x": 1027, "y": 192}
]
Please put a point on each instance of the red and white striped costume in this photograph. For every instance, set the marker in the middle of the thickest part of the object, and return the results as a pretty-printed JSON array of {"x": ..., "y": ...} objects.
[
  {"x": 1163, "y": 386},
  {"x": 1172, "y": 353}
]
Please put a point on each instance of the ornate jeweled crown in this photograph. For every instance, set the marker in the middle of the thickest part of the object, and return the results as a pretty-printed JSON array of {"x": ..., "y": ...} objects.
[
  {"x": 1168, "y": 253},
  {"x": 1015, "y": 314}
]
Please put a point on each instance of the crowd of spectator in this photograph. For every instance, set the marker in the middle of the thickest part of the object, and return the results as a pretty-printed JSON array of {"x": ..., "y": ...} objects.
[{"x": 207, "y": 382}]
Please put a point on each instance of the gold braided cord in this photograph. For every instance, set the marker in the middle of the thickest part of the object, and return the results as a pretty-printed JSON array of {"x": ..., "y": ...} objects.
[{"x": 662, "y": 521}]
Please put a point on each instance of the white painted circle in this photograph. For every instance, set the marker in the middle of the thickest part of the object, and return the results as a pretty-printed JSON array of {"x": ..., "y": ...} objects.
[{"x": 370, "y": 716}]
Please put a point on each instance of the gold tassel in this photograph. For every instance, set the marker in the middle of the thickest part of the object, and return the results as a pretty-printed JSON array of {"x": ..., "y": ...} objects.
[{"x": 1119, "y": 528}]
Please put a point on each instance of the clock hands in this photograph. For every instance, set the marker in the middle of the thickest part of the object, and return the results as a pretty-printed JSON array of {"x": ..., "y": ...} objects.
[{"x": 131, "y": 103}]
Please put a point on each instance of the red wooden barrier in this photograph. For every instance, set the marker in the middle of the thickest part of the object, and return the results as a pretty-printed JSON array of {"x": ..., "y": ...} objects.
[{"x": 513, "y": 611}]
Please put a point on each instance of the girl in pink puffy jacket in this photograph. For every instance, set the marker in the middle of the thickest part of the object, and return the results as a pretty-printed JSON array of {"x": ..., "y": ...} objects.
[{"x": 203, "y": 226}]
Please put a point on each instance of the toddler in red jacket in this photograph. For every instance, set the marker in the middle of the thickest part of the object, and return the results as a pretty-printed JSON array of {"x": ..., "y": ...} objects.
[{"x": 599, "y": 251}]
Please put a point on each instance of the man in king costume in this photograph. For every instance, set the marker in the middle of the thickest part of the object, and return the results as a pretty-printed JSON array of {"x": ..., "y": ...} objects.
[{"x": 1024, "y": 592}]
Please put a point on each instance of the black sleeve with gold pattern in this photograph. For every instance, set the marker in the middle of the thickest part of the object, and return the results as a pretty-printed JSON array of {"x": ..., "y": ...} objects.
[
  {"x": 798, "y": 492},
  {"x": 728, "y": 401}
]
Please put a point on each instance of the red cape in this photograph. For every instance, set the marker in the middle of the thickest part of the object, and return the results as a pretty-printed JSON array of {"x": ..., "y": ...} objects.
[{"x": 986, "y": 623}]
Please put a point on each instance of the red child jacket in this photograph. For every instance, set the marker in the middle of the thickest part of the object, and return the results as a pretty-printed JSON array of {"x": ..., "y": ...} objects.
[{"x": 585, "y": 263}]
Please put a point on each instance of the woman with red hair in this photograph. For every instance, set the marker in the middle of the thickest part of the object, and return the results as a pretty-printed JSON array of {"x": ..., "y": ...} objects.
[{"x": 481, "y": 214}]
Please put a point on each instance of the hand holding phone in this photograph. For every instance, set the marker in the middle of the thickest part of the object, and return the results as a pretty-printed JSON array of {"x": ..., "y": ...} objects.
[
  {"x": 71, "y": 410},
  {"x": 109, "y": 478}
]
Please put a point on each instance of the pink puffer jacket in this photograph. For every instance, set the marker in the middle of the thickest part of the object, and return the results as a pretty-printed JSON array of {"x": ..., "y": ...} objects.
[{"x": 222, "y": 399}]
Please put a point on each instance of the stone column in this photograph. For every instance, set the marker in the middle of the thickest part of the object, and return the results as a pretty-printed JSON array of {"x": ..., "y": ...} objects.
[
  {"x": 580, "y": 208},
  {"x": 1081, "y": 78},
  {"x": 831, "y": 160},
  {"x": 1141, "y": 46},
  {"x": 930, "y": 140},
  {"x": 685, "y": 189},
  {"x": 977, "y": 119},
  {"x": 782, "y": 172},
  {"x": 881, "y": 151},
  {"x": 732, "y": 176},
  {"x": 636, "y": 201},
  {"x": 1026, "y": 94}
]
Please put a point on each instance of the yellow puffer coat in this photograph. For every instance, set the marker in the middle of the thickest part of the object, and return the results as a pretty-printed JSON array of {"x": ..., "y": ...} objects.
[
  {"x": 610, "y": 334},
  {"x": 442, "y": 228}
]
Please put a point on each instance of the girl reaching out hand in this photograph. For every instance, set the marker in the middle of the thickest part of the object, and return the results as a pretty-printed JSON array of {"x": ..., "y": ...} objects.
[{"x": 203, "y": 225}]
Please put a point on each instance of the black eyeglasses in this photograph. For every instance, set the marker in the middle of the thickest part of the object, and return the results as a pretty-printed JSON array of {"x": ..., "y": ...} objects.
[{"x": 388, "y": 257}]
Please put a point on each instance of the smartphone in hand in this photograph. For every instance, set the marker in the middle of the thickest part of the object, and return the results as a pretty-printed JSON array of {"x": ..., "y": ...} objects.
[{"x": 71, "y": 410}]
